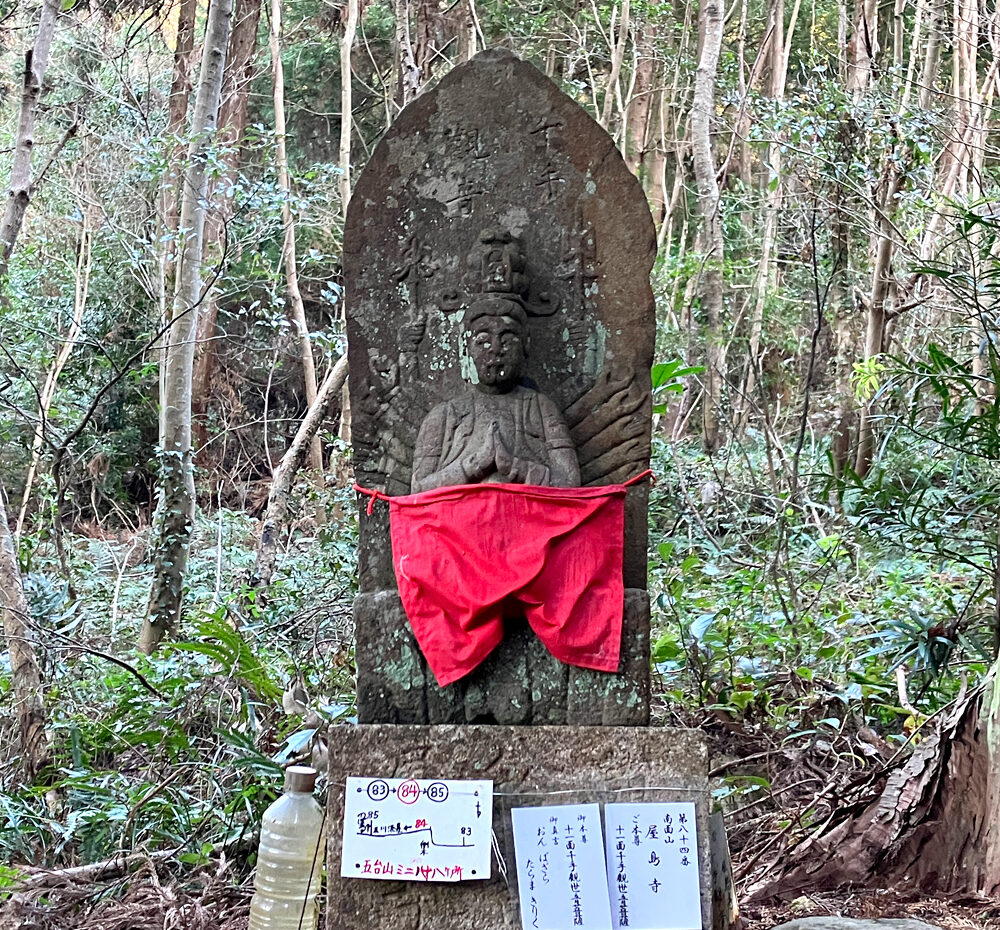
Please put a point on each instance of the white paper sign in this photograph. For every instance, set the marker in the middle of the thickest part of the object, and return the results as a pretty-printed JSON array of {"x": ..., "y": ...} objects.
[
  {"x": 653, "y": 876},
  {"x": 417, "y": 829},
  {"x": 561, "y": 875}
]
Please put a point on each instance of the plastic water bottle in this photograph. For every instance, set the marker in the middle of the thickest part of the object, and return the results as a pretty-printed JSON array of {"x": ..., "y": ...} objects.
[{"x": 290, "y": 858}]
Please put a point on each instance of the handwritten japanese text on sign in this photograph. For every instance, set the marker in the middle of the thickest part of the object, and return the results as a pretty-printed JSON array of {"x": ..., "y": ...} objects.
[
  {"x": 653, "y": 866},
  {"x": 417, "y": 829},
  {"x": 560, "y": 867}
]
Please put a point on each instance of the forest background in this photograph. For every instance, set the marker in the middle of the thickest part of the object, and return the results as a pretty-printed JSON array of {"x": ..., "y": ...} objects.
[{"x": 824, "y": 533}]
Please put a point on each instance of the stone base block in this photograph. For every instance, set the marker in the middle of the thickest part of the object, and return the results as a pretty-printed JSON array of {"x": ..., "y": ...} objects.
[{"x": 529, "y": 766}]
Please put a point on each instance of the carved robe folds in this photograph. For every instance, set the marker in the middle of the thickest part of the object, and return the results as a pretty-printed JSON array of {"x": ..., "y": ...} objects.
[{"x": 526, "y": 422}]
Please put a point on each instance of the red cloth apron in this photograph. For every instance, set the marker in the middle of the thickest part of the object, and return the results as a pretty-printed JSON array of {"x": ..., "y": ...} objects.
[{"x": 466, "y": 557}]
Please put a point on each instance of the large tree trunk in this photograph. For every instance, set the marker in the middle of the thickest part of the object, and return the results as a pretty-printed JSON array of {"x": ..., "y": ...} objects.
[
  {"x": 19, "y": 193},
  {"x": 281, "y": 484},
  {"x": 710, "y": 21},
  {"x": 639, "y": 108},
  {"x": 436, "y": 30},
  {"x": 176, "y": 505},
  {"x": 932, "y": 823},
  {"x": 863, "y": 49},
  {"x": 463, "y": 23},
  {"x": 928, "y": 70},
  {"x": 405, "y": 70}
]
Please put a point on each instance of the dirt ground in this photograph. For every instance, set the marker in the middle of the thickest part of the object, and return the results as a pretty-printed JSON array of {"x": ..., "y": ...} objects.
[
  {"x": 211, "y": 900},
  {"x": 947, "y": 913}
]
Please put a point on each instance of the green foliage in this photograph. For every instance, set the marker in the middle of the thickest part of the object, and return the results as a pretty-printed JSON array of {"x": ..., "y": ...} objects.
[
  {"x": 762, "y": 613},
  {"x": 666, "y": 380},
  {"x": 866, "y": 376},
  {"x": 182, "y": 750}
]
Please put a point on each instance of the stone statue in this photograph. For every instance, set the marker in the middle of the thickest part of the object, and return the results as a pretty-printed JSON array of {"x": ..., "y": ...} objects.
[
  {"x": 499, "y": 430},
  {"x": 500, "y": 328}
]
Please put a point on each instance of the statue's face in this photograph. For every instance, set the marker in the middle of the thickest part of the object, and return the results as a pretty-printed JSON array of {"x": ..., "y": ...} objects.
[{"x": 496, "y": 346}]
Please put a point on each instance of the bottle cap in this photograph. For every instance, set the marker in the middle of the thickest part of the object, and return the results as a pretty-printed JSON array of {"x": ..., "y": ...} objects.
[{"x": 300, "y": 778}]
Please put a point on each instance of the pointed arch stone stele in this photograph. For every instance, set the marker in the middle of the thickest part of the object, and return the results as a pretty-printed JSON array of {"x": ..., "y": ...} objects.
[{"x": 497, "y": 147}]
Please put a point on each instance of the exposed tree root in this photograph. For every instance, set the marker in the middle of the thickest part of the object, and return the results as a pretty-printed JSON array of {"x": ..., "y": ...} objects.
[{"x": 930, "y": 821}]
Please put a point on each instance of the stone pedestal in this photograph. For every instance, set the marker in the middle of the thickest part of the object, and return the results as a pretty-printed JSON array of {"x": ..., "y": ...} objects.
[{"x": 529, "y": 766}]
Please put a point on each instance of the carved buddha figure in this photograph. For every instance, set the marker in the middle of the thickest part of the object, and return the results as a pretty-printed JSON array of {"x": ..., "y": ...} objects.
[{"x": 498, "y": 430}]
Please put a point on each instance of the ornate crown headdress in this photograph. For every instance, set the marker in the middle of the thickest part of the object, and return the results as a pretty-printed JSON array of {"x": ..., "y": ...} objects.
[{"x": 498, "y": 263}]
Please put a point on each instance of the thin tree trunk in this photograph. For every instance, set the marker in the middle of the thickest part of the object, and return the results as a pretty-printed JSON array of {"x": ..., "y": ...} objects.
[
  {"x": 843, "y": 59},
  {"x": 405, "y": 64},
  {"x": 656, "y": 167},
  {"x": 776, "y": 84},
  {"x": 969, "y": 94},
  {"x": 881, "y": 279},
  {"x": 170, "y": 194},
  {"x": 763, "y": 284},
  {"x": 898, "y": 33},
  {"x": 841, "y": 323},
  {"x": 981, "y": 129},
  {"x": 741, "y": 130},
  {"x": 296, "y": 307},
  {"x": 655, "y": 176},
  {"x": 710, "y": 22},
  {"x": 48, "y": 392},
  {"x": 765, "y": 278},
  {"x": 26, "y": 676},
  {"x": 863, "y": 48},
  {"x": 952, "y": 168},
  {"x": 176, "y": 506},
  {"x": 984, "y": 354},
  {"x": 617, "y": 57},
  {"x": 177, "y": 110},
  {"x": 19, "y": 194},
  {"x": 671, "y": 205},
  {"x": 956, "y": 158},
  {"x": 346, "y": 128},
  {"x": 346, "y": 104},
  {"x": 918, "y": 21},
  {"x": 233, "y": 115},
  {"x": 281, "y": 484}
]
